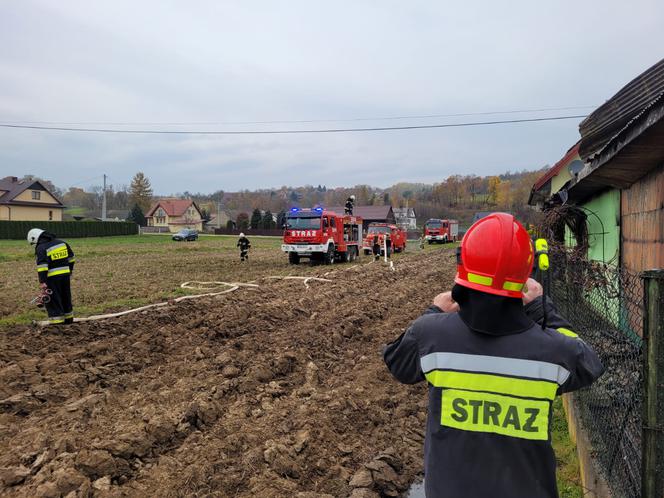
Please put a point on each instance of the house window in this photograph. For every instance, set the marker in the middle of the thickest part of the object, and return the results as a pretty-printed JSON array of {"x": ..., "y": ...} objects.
[
  {"x": 36, "y": 195},
  {"x": 161, "y": 220},
  {"x": 50, "y": 216}
]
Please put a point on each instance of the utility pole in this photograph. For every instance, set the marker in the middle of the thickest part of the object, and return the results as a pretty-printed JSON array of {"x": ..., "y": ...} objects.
[{"x": 103, "y": 201}]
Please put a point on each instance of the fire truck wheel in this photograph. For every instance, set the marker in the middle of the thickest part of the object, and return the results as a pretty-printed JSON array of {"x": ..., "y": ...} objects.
[
  {"x": 367, "y": 252},
  {"x": 329, "y": 255},
  {"x": 293, "y": 258}
]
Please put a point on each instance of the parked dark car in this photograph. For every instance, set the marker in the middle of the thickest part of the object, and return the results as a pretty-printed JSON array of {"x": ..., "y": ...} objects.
[{"x": 186, "y": 234}]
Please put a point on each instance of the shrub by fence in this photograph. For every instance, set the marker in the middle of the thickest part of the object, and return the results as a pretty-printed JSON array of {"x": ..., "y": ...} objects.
[
  {"x": 605, "y": 306},
  {"x": 68, "y": 229}
]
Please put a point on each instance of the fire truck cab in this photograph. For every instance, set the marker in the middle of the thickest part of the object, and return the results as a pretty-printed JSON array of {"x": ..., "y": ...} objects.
[
  {"x": 390, "y": 236},
  {"x": 441, "y": 231},
  {"x": 321, "y": 235}
]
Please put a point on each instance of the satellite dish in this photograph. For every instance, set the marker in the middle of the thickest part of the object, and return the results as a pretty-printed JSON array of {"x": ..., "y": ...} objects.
[{"x": 575, "y": 166}]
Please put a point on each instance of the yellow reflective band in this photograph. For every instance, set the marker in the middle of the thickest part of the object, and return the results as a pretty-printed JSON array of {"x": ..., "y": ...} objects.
[
  {"x": 72, "y": 260},
  {"x": 58, "y": 271},
  {"x": 59, "y": 254},
  {"x": 483, "y": 412},
  {"x": 567, "y": 332},
  {"x": 479, "y": 279},
  {"x": 512, "y": 286},
  {"x": 42, "y": 268},
  {"x": 494, "y": 383}
]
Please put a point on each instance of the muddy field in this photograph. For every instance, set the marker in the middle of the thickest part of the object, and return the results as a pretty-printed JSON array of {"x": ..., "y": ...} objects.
[
  {"x": 272, "y": 391},
  {"x": 116, "y": 273}
]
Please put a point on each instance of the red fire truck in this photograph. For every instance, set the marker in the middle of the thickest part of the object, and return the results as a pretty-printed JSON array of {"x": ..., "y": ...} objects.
[
  {"x": 390, "y": 236},
  {"x": 442, "y": 231},
  {"x": 321, "y": 235}
]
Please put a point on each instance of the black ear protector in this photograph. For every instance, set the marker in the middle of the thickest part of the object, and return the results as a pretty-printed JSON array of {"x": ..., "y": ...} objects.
[{"x": 458, "y": 255}]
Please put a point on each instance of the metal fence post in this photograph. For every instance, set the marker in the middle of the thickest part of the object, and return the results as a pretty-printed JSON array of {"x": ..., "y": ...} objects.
[{"x": 653, "y": 385}]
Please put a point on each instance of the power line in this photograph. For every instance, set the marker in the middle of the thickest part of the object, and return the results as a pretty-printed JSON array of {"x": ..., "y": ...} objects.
[
  {"x": 300, "y": 121},
  {"x": 289, "y": 132}
]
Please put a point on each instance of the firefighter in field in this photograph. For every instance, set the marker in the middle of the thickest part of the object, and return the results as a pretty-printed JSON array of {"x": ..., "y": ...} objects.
[
  {"x": 375, "y": 247},
  {"x": 244, "y": 245},
  {"x": 493, "y": 371},
  {"x": 55, "y": 264},
  {"x": 350, "y": 203}
]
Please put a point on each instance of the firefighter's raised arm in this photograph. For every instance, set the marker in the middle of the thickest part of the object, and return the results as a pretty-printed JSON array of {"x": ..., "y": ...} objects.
[{"x": 403, "y": 359}]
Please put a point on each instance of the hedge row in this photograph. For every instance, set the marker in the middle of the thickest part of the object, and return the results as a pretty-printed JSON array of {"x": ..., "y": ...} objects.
[{"x": 68, "y": 229}]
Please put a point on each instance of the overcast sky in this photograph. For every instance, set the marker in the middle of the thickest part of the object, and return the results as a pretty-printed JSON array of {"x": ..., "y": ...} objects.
[{"x": 120, "y": 61}]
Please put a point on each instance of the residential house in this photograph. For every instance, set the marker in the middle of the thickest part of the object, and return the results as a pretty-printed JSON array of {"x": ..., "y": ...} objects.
[
  {"x": 405, "y": 218},
  {"x": 226, "y": 215},
  {"x": 175, "y": 214},
  {"x": 620, "y": 182},
  {"x": 370, "y": 214},
  {"x": 28, "y": 200}
]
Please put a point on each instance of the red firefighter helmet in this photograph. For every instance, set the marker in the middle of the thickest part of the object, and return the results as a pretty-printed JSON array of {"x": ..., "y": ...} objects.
[{"x": 496, "y": 256}]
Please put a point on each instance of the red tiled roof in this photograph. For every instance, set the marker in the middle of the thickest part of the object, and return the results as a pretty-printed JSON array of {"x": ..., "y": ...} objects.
[
  {"x": 172, "y": 207},
  {"x": 557, "y": 167}
]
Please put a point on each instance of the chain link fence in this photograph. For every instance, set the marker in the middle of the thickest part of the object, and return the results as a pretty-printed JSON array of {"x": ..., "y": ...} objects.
[{"x": 605, "y": 306}]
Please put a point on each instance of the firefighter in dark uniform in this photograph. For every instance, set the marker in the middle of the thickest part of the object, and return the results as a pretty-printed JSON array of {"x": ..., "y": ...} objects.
[
  {"x": 55, "y": 264},
  {"x": 493, "y": 371},
  {"x": 244, "y": 245},
  {"x": 375, "y": 248},
  {"x": 350, "y": 203}
]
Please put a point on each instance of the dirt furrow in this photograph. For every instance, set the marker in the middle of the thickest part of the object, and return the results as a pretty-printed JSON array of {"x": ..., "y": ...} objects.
[{"x": 271, "y": 392}]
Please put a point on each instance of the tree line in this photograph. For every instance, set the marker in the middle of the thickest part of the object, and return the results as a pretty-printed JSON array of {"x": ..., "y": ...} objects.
[{"x": 456, "y": 196}]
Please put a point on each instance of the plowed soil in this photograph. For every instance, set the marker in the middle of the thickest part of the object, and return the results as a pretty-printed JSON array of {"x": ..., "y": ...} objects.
[{"x": 272, "y": 391}]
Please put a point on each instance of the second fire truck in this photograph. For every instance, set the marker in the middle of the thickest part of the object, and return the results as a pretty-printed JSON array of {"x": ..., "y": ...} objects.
[{"x": 441, "y": 231}]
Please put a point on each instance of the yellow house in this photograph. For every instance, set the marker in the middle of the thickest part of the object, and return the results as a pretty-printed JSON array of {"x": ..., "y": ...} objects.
[
  {"x": 28, "y": 200},
  {"x": 175, "y": 214}
]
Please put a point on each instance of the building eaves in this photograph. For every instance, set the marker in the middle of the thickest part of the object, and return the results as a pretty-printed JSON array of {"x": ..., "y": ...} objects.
[
  {"x": 602, "y": 125},
  {"x": 556, "y": 168},
  {"x": 631, "y": 154},
  {"x": 33, "y": 204}
]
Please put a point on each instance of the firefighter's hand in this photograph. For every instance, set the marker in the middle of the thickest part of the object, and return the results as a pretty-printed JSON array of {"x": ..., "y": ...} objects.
[
  {"x": 445, "y": 302},
  {"x": 43, "y": 286},
  {"x": 532, "y": 290}
]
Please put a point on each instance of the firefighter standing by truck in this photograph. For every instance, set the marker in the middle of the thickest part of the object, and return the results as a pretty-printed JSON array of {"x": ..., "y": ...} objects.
[
  {"x": 55, "y": 264},
  {"x": 244, "y": 245},
  {"x": 493, "y": 370},
  {"x": 375, "y": 247}
]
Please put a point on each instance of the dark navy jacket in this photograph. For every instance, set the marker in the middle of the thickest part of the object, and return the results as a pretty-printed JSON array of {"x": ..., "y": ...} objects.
[{"x": 490, "y": 397}]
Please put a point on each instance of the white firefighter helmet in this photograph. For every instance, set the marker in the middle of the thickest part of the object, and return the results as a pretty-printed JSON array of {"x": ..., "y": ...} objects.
[
  {"x": 34, "y": 234},
  {"x": 241, "y": 235},
  {"x": 352, "y": 197}
]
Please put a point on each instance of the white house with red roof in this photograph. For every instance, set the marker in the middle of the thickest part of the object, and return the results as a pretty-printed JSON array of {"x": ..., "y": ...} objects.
[{"x": 175, "y": 214}]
